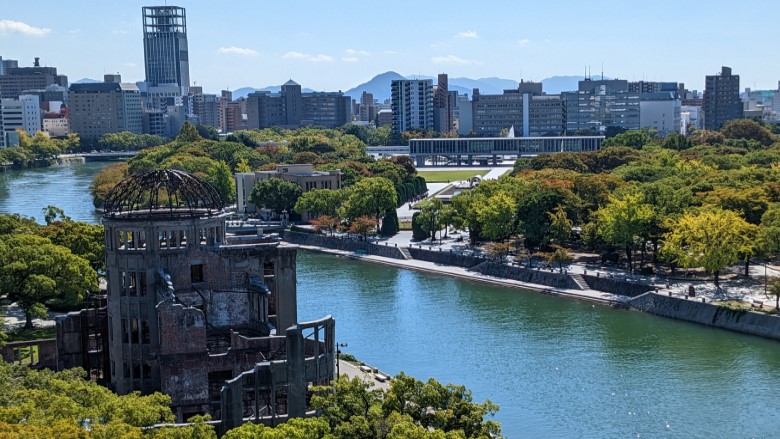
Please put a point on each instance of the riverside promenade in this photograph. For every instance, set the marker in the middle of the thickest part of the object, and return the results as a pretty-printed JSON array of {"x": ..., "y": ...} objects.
[{"x": 464, "y": 273}]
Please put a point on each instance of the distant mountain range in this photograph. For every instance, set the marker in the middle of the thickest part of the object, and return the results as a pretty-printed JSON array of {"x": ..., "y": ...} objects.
[
  {"x": 244, "y": 91},
  {"x": 379, "y": 85}
]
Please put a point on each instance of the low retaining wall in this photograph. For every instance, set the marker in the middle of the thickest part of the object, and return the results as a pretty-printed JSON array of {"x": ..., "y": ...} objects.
[
  {"x": 342, "y": 244},
  {"x": 540, "y": 277},
  {"x": 693, "y": 310},
  {"x": 445, "y": 257},
  {"x": 615, "y": 286}
]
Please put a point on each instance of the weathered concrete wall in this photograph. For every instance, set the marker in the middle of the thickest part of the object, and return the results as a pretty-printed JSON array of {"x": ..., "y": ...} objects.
[
  {"x": 693, "y": 310},
  {"x": 342, "y": 244},
  {"x": 616, "y": 286},
  {"x": 46, "y": 358},
  {"x": 540, "y": 277},
  {"x": 445, "y": 257}
]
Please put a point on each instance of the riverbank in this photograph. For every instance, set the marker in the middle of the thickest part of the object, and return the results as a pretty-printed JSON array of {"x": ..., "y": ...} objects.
[
  {"x": 664, "y": 302},
  {"x": 588, "y": 295}
]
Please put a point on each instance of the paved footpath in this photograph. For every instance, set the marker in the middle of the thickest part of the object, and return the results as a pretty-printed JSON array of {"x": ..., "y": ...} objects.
[{"x": 352, "y": 371}]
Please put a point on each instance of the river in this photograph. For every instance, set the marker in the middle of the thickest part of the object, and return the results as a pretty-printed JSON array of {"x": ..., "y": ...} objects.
[{"x": 558, "y": 368}]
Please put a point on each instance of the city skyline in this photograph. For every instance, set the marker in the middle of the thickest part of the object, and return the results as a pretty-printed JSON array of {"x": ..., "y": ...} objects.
[{"x": 327, "y": 48}]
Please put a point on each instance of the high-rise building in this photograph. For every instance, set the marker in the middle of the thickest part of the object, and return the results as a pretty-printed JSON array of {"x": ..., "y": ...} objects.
[
  {"x": 166, "y": 58},
  {"x": 205, "y": 107},
  {"x": 292, "y": 109},
  {"x": 442, "y": 108},
  {"x": 527, "y": 109},
  {"x": 15, "y": 80},
  {"x": 367, "y": 109},
  {"x": 23, "y": 113},
  {"x": 105, "y": 107},
  {"x": 412, "y": 105},
  {"x": 601, "y": 104},
  {"x": 721, "y": 99}
]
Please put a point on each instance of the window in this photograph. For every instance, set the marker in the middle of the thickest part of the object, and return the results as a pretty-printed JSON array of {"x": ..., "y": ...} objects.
[{"x": 196, "y": 273}]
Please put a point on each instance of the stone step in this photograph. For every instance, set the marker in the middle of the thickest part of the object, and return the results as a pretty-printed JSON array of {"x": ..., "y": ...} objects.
[
  {"x": 579, "y": 280},
  {"x": 405, "y": 253}
]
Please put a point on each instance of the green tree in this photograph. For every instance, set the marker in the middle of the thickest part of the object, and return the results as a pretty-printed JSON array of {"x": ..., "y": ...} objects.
[
  {"x": 560, "y": 225},
  {"x": 82, "y": 239},
  {"x": 430, "y": 220},
  {"x": 497, "y": 217},
  {"x": 221, "y": 178},
  {"x": 371, "y": 196},
  {"x": 775, "y": 290},
  {"x": 769, "y": 231},
  {"x": 677, "y": 141},
  {"x": 33, "y": 271},
  {"x": 318, "y": 202},
  {"x": 623, "y": 221},
  {"x": 632, "y": 138},
  {"x": 712, "y": 239},
  {"x": 59, "y": 404},
  {"x": 188, "y": 133},
  {"x": 243, "y": 165},
  {"x": 747, "y": 129},
  {"x": 275, "y": 194}
]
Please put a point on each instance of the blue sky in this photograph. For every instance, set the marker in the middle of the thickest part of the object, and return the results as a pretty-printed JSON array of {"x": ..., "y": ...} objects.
[{"x": 338, "y": 44}]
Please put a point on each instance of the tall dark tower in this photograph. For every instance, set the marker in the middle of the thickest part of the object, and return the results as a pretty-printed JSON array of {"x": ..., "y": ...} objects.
[
  {"x": 721, "y": 99},
  {"x": 166, "y": 56}
]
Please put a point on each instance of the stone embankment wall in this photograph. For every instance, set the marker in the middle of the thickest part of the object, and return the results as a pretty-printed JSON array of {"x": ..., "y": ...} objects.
[
  {"x": 445, "y": 257},
  {"x": 539, "y": 277},
  {"x": 616, "y": 286},
  {"x": 693, "y": 310},
  {"x": 343, "y": 244}
]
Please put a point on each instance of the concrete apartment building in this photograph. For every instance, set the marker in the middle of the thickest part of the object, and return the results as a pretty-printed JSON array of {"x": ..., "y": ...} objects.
[
  {"x": 412, "y": 105},
  {"x": 366, "y": 108},
  {"x": 291, "y": 109},
  {"x": 463, "y": 115},
  {"x": 23, "y": 113},
  {"x": 106, "y": 107},
  {"x": 442, "y": 105},
  {"x": 660, "y": 112},
  {"x": 721, "y": 99},
  {"x": 15, "y": 80},
  {"x": 205, "y": 107},
  {"x": 527, "y": 109},
  {"x": 56, "y": 124},
  {"x": 304, "y": 175},
  {"x": 599, "y": 104}
]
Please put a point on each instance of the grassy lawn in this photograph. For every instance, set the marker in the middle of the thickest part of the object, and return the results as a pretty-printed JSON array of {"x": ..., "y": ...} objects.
[
  {"x": 32, "y": 334},
  {"x": 436, "y": 176}
]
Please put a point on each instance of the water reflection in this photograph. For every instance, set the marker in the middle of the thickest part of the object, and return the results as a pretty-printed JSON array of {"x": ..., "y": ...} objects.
[{"x": 557, "y": 368}]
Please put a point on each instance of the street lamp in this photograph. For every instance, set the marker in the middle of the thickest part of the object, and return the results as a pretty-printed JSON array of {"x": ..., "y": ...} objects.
[
  {"x": 338, "y": 359},
  {"x": 285, "y": 215}
]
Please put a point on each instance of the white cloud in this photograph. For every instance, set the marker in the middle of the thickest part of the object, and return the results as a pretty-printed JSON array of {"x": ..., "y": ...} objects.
[
  {"x": 18, "y": 27},
  {"x": 452, "y": 59},
  {"x": 350, "y": 59},
  {"x": 307, "y": 57},
  {"x": 390, "y": 52},
  {"x": 356, "y": 52},
  {"x": 119, "y": 32},
  {"x": 467, "y": 34},
  {"x": 524, "y": 42},
  {"x": 131, "y": 65},
  {"x": 233, "y": 50}
]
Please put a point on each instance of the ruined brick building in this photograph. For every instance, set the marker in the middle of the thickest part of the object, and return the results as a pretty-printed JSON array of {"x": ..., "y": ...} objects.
[{"x": 203, "y": 316}]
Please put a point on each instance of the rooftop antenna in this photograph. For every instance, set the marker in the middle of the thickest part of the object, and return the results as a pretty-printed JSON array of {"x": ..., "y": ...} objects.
[{"x": 602, "y": 70}]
